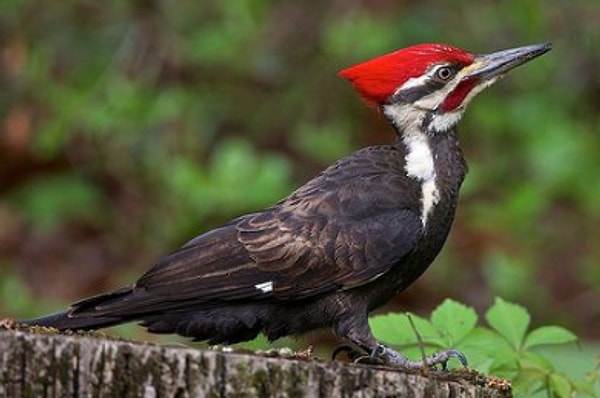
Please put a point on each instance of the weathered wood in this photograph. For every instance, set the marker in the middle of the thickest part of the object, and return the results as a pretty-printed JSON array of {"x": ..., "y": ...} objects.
[{"x": 53, "y": 365}]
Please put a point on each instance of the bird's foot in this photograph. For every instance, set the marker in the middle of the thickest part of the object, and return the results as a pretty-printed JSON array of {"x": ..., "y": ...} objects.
[
  {"x": 441, "y": 358},
  {"x": 383, "y": 355}
]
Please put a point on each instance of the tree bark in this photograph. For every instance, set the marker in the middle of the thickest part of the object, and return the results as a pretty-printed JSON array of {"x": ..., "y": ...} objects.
[{"x": 55, "y": 365}]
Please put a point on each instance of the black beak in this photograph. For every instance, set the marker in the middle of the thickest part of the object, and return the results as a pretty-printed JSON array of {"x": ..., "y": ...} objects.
[{"x": 488, "y": 66}]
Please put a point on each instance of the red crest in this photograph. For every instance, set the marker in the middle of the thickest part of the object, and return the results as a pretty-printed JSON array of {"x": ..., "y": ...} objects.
[{"x": 377, "y": 79}]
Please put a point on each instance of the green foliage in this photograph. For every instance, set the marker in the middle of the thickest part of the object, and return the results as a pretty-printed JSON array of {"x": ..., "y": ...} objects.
[
  {"x": 53, "y": 200},
  {"x": 17, "y": 298},
  {"x": 507, "y": 348}
]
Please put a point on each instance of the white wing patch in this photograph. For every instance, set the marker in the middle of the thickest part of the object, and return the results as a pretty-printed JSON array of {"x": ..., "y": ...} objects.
[{"x": 265, "y": 287}]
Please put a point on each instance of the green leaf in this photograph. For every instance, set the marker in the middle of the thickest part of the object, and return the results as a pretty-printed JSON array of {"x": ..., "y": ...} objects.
[
  {"x": 395, "y": 329},
  {"x": 486, "y": 340},
  {"x": 528, "y": 383},
  {"x": 429, "y": 334},
  {"x": 454, "y": 321},
  {"x": 532, "y": 374},
  {"x": 586, "y": 387},
  {"x": 485, "y": 348},
  {"x": 535, "y": 362},
  {"x": 476, "y": 345},
  {"x": 549, "y": 335},
  {"x": 510, "y": 320},
  {"x": 560, "y": 385},
  {"x": 392, "y": 329},
  {"x": 506, "y": 366}
]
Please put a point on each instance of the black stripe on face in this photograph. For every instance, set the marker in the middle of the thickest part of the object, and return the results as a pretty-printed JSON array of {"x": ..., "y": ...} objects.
[
  {"x": 413, "y": 94},
  {"x": 431, "y": 85}
]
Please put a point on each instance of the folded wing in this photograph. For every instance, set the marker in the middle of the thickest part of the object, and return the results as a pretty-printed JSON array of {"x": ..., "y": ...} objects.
[{"x": 341, "y": 230}]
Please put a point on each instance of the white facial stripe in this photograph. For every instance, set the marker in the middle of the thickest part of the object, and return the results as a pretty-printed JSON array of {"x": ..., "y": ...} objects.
[
  {"x": 430, "y": 101},
  {"x": 421, "y": 80},
  {"x": 479, "y": 88},
  {"x": 441, "y": 122},
  {"x": 414, "y": 82},
  {"x": 404, "y": 116},
  {"x": 434, "y": 100}
]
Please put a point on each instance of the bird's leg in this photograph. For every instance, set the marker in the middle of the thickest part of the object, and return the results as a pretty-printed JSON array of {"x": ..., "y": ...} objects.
[
  {"x": 360, "y": 334},
  {"x": 355, "y": 328}
]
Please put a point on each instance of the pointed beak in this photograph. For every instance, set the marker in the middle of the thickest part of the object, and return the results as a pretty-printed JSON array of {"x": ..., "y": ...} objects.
[{"x": 489, "y": 66}]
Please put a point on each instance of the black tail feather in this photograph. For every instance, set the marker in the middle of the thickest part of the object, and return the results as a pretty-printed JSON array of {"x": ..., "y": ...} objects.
[
  {"x": 84, "y": 314},
  {"x": 66, "y": 321}
]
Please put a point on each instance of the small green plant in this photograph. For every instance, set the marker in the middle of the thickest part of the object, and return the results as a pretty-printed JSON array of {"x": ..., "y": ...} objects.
[{"x": 507, "y": 348}]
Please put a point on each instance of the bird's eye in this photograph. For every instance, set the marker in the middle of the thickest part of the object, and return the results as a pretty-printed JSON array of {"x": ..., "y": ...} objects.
[{"x": 444, "y": 73}]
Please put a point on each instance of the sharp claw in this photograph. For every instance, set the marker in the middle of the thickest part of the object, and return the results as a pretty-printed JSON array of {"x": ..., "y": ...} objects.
[
  {"x": 367, "y": 359},
  {"x": 458, "y": 355},
  {"x": 443, "y": 357}
]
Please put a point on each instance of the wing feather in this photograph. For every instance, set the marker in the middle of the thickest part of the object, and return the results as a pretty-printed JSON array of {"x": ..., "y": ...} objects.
[{"x": 346, "y": 227}]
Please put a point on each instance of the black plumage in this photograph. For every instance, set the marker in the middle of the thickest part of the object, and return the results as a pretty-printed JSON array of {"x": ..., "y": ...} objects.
[{"x": 336, "y": 248}]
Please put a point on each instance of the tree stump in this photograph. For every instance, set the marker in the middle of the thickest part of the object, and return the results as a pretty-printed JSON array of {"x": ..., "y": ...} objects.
[{"x": 56, "y": 365}]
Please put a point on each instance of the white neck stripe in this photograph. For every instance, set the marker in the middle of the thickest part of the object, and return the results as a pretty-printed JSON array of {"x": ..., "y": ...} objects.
[{"x": 419, "y": 161}]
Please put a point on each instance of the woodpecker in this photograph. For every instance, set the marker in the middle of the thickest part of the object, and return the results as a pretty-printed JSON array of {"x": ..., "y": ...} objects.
[{"x": 339, "y": 246}]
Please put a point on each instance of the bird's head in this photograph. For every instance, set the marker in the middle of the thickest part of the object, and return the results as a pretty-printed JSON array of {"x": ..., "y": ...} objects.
[{"x": 429, "y": 85}]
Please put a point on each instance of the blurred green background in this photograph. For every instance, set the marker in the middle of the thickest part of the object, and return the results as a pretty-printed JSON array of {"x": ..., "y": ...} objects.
[{"x": 127, "y": 127}]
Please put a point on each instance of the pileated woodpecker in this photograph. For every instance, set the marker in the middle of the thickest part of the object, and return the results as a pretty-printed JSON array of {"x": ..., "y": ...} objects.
[{"x": 342, "y": 244}]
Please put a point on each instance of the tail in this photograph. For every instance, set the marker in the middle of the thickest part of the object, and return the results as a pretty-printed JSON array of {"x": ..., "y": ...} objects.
[
  {"x": 66, "y": 321},
  {"x": 84, "y": 314}
]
